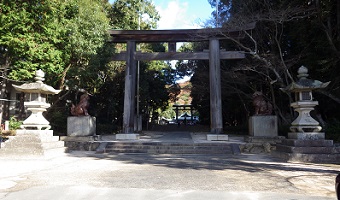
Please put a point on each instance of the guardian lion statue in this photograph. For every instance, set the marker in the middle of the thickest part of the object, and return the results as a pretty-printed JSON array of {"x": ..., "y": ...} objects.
[
  {"x": 262, "y": 107},
  {"x": 81, "y": 108}
]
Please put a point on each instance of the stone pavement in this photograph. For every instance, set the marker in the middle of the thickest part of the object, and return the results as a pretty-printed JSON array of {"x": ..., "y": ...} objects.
[{"x": 86, "y": 175}]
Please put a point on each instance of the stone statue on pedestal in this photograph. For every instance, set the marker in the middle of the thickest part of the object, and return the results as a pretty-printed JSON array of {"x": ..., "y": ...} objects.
[
  {"x": 81, "y": 108},
  {"x": 81, "y": 123},
  {"x": 262, "y": 107},
  {"x": 262, "y": 123}
]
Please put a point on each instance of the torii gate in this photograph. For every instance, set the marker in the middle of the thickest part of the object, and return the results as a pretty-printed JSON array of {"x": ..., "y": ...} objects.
[{"x": 214, "y": 55}]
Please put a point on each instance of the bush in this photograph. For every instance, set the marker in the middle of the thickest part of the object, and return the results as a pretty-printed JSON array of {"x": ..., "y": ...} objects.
[
  {"x": 332, "y": 131},
  {"x": 58, "y": 120},
  {"x": 106, "y": 129},
  {"x": 14, "y": 124},
  {"x": 237, "y": 130}
]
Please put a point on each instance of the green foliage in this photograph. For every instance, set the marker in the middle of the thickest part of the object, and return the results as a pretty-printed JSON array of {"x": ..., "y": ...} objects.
[
  {"x": 85, "y": 34},
  {"x": 67, "y": 40},
  {"x": 58, "y": 118},
  {"x": 153, "y": 81},
  {"x": 185, "y": 97},
  {"x": 14, "y": 124},
  {"x": 30, "y": 32},
  {"x": 187, "y": 67},
  {"x": 106, "y": 129},
  {"x": 168, "y": 113},
  {"x": 125, "y": 14},
  {"x": 154, "y": 76},
  {"x": 51, "y": 35}
]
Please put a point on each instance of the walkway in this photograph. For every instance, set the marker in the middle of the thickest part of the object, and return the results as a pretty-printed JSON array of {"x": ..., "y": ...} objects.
[{"x": 86, "y": 175}]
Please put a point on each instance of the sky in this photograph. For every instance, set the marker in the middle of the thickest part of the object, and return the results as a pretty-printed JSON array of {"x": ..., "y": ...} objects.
[{"x": 182, "y": 14}]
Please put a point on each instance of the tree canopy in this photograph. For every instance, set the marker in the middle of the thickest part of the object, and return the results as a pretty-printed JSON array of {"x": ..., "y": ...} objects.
[
  {"x": 51, "y": 35},
  {"x": 67, "y": 39},
  {"x": 288, "y": 34}
]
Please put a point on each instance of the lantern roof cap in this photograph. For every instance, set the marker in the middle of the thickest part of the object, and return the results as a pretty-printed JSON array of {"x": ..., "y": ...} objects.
[
  {"x": 38, "y": 86},
  {"x": 305, "y": 84}
]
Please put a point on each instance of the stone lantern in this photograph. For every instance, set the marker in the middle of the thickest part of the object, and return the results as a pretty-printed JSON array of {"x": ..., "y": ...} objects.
[
  {"x": 35, "y": 101},
  {"x": 304, "y": 126}
]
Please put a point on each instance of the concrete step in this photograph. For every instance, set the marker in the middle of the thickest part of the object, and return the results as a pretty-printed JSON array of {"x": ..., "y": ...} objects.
[
  {"x": 34, "y": 138},
  {"x": 32, "y": 153},
  {"x": 32, "y": 144},
  {"x": 21, "y": 151},
  {"x": 45, "y": 145},
  {"x": 311, "y": 158},
  {"x": 307, "y": 143},
  {"x": 82, "y": 145},
  {"x": 305, "y": 150},
  {"x": 165, "y": 148}
]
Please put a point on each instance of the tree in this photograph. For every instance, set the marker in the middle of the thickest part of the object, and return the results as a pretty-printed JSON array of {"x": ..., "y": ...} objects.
[
  {"x": 154, "y": 75},
  {"x": 51, "y": 35},
  {"x": 133, "y": 15},
  {"x": 301, "y": 33},
  {"x": 59, "y": 37},
  {"x": 30, "y": 32},
  {"x": 86, "y": 26},
  {"x": 282, "y": 41}
]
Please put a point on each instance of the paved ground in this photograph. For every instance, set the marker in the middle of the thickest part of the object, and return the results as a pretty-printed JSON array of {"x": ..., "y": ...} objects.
[{"x": 86, "y": 175}]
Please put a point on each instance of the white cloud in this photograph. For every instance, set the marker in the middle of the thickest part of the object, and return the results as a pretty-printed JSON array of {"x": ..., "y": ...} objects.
[{"x": 173, "y": 16}]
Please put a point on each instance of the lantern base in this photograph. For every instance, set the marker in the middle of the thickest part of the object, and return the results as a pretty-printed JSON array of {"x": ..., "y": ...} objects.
[
  {"x": 307, "y": 136},
  {"x": 305, "y": 129}
]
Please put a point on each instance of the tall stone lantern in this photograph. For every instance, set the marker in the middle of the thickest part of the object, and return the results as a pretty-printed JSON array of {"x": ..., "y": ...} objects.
[
  {"x": 304, "y": 126},
  {"x": 35, "y": 101}
]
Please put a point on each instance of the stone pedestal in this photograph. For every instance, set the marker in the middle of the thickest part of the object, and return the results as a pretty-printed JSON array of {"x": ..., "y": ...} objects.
[
  {"x": 217, "y": 137},
  {"x": 127, "y": 136},
  {"x": 307, "y": 136},
  {"x": 263, "y": 126},
  {"x": 307, "y": 147},
  {"x": 81, "y": 126},
  {"x": 315, "y": 151},
  {"x": 29, "y": 143}
]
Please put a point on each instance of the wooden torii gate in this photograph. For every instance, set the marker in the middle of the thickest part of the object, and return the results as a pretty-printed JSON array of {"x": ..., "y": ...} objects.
[{"x": 214, "y": 55}]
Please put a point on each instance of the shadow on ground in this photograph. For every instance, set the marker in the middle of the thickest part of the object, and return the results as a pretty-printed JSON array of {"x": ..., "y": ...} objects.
[{"x": 248, "y": 162}]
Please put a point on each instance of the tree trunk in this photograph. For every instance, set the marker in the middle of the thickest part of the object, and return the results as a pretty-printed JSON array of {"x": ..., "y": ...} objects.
[{"x": 63, "y": 76}]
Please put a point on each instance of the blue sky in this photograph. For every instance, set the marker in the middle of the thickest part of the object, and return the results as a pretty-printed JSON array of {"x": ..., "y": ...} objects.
[{"x": 182, "y": 14}]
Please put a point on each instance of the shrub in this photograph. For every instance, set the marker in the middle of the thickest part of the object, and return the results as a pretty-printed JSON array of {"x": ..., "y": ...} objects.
[
  {"x": 14, "y": 124},
  {"x": 333, "y": 131}
]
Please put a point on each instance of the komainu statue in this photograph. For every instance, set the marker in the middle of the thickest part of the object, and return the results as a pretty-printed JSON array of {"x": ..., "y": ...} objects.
[
  {"x": 262, "y": 107},
  {"x": 81, "y": 108}
]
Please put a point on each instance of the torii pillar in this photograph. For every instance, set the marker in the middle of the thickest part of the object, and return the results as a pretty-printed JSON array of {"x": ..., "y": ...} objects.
[
  {"x": 129, "y": 95},
  {"x": 216, "y": 123}
]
